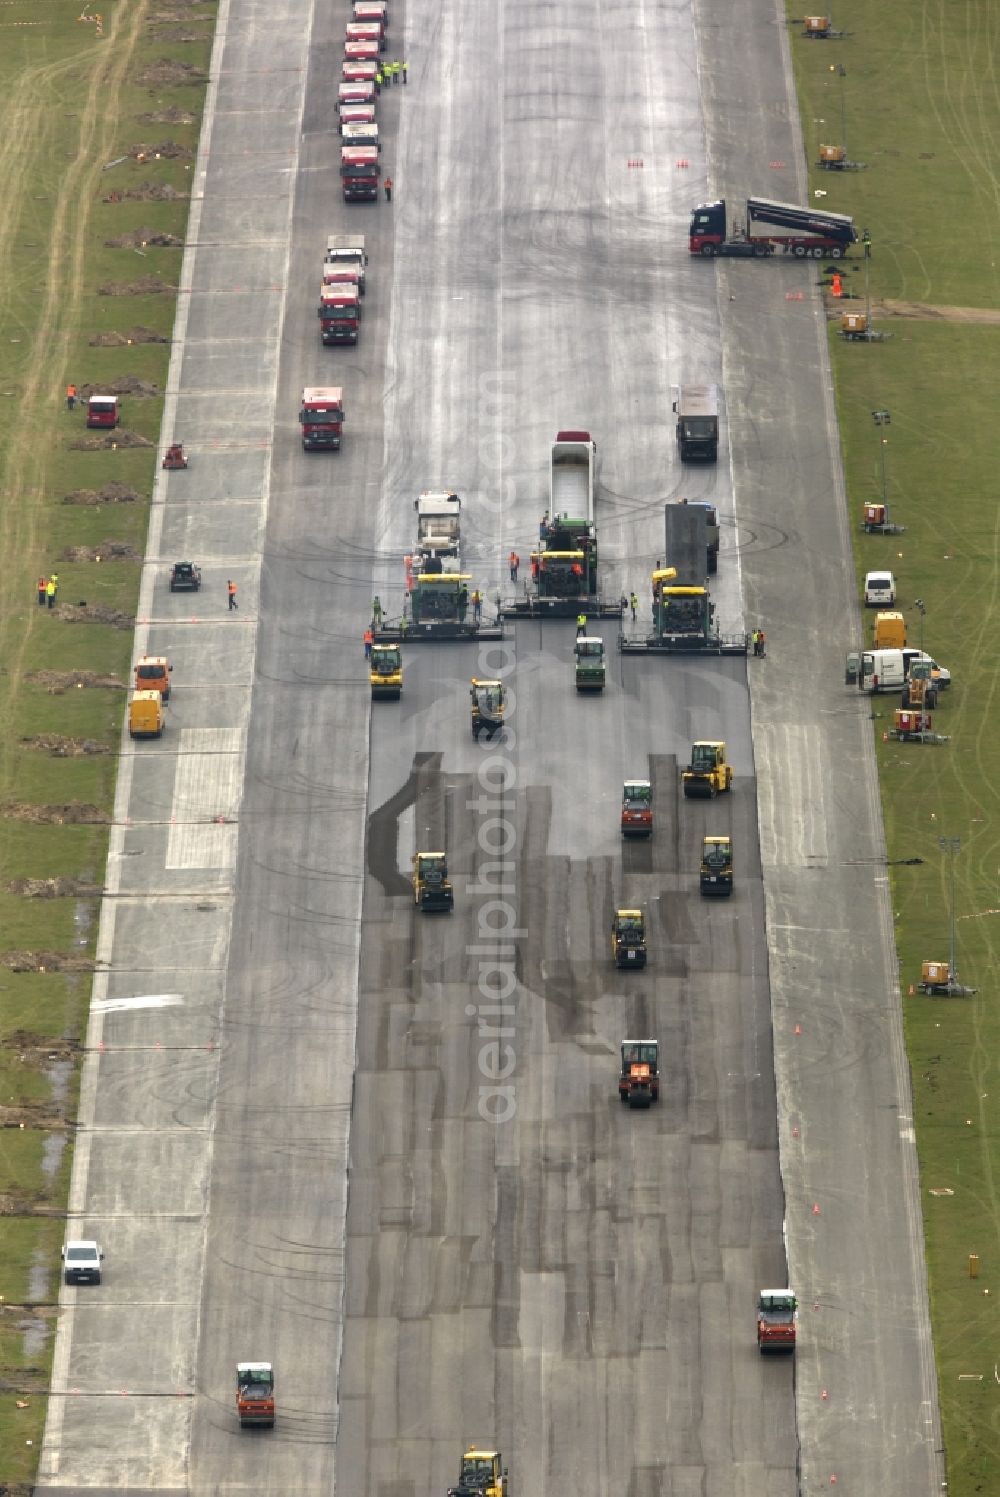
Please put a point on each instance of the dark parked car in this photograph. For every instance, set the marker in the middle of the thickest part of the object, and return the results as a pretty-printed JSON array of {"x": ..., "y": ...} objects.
[{"x": 185, "y": 577}]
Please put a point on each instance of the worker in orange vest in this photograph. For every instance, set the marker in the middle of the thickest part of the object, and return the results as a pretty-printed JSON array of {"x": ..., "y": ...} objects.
[
  {"x": 387, "y": 184},
  {"x": 231, "y": 587},
  {"x": 43, "y": 583},
  {"x": 70, "y": 397},
  {"x": 369, "y": 641},
  {"x": 515, "y": 562}
]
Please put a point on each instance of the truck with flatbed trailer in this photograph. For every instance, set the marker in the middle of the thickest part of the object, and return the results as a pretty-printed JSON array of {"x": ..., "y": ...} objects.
[{"x": 767, "y": 227}]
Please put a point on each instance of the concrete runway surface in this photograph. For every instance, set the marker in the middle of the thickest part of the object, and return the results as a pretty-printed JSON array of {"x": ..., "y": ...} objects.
[{"x": 282, "y": 1147}]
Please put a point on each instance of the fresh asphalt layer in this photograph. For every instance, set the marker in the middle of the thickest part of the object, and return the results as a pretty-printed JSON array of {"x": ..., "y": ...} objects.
[{"x": 573, "y": 1283}]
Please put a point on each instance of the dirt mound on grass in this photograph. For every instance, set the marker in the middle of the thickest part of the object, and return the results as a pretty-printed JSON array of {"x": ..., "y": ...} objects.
[
  {"x": 111, "y": 493},
  {"x": 143, "y": 239},
  {"x": 61, "y": 747},
  {"x": 106, "y": 551},
  {"x": 171, "y": 116},
  {"x": 58, "y": 682},
  {"x": 167, "y": 150},
  {"x": 94, "y": 613},
  {"x": 122, "y": 340},
  {"x": 54, "y": 888},
  {"x": 73, "y": 813},
  {"x": 107, "y": 441},
  {"x": 125, "y": 384},
  {"x": 145, "y": 192},
  {"x": 147, "y": 285},
  {"x": 46, "y": 961},
  {"x": 926, "y": 312},
  {"x": 167, "y": 72}
]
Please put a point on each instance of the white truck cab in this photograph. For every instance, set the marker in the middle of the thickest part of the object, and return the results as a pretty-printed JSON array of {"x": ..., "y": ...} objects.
[{"x": 880, "y": 590}]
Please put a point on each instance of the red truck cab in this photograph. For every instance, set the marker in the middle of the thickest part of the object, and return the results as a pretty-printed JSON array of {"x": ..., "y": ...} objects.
[
  {"x": 321, "y": 416},
  {"x": 359, "y": 173},
  {"x": 102, "y": 411},
  {"x": 339, "y": 314}
]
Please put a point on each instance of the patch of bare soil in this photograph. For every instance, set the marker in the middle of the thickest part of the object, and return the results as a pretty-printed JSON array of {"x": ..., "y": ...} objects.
[
  {"x": 46, "y": 961},
  {"x": 30, "y": 1046},
  {"x": 143, "y": 239},
  {"x": 106, "y": 551},
  {"x": 126, "y": 384},
  {"x": 111, "y": 493},
  {"x": 123, "y": 340},
  {"x": 166, "y": 72},
  {"x": 147, "y": 285},
  {"x": 167, "y": 150},
  {"x": 73, "y": 813},
  {"x": 108, "y": 441},
  {"x": 171, "y": 116},
  {"x": 58, "y": 682},
  {"x": 54, "y": 888},
  {"x": 94, "y": 613},
  {"x": 925, "y": 312},
  {"x": 147, "y": 192},
  {"x": 165, "y": 32},
  {"x": 61, "y": 747}
]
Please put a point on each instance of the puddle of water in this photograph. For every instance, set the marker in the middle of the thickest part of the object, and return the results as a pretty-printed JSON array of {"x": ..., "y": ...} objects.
[
  {"x": 36, "y": 1331},
  {"x": 59, "y": 1073}
]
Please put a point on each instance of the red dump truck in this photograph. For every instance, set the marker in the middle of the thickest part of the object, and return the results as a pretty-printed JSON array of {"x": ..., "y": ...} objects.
[
  {"x": 767, "y": 227},
  {"x": 353, "y": 91},
  {"x": 367, "y": 31},
  {"x": 339, "y": 314},
  {"x": 321, "y": 416},
  {"x": 359, "y": 173}
]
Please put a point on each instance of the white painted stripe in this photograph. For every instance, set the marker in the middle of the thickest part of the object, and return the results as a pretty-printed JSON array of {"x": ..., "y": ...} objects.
[
  {"x": 146, "y": 1000},
  {"x": 791, "y": 794}
]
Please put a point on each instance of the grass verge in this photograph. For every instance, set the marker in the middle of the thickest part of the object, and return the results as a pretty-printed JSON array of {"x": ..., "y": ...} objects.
[
  {"x": 918, "y": 100},
  {"x": 96, "y": 158}
]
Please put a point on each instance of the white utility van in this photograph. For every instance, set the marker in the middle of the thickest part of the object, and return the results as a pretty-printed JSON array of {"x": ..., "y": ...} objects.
[
  {"x": 882, "y": 670},
  {"x": 880, "y": 590}
]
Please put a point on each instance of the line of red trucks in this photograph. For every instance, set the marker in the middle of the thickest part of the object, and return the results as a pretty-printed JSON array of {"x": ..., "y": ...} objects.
[{"x": 321, "y": 408}]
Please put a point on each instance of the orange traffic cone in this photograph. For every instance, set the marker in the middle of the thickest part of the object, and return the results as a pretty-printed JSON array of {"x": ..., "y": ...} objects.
[{"x": 836, "y": 288}]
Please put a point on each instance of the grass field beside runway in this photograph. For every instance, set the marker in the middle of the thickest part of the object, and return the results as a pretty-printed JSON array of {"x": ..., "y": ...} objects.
[
  {"x": 919, "y": 103},
  {"x": 74, "y": 101}
]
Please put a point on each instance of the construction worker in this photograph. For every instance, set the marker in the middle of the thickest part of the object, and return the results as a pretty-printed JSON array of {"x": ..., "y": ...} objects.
[
  {"x": 463, "y": 602},
  {"x": 378, "y": 79},
  {"x": 581, "y": 624},
  {"x": 376, "y": 612},
  {"x": 369, "y": 641},
  {"x": 514, "y": 561},
  {"x": 404, "y": 624},
  {"x": 70, "y": 397},
  {"x": 402, "y": 68},
  {"x": 43, "y": 583},
  {"x": 50, "y": 593},
  {"x": 394, "y": 71},
  {"x": 762, "y": 641},
  {"x": 477, "y": 606},
  {"x": 231, "y": 589},
  {"x": 387, "y": 184},
  {"x": 634, "y": 605}
]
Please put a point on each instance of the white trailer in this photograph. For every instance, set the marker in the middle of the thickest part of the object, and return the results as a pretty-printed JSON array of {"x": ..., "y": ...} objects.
[
  {"x": 571, "y": 484},
  {"x": 438, "y": 532}
]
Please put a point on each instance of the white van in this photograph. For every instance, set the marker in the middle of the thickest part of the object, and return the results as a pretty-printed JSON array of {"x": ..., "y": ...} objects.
[
  {"x": 882, "y": 670},
  {"x": 880, "y": 590}
]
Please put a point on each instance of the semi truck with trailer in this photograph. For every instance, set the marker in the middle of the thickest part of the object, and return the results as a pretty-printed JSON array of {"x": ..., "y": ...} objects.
[
  {"x": 349, "y": 249},
  {"x": 768, "y": 227}
]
